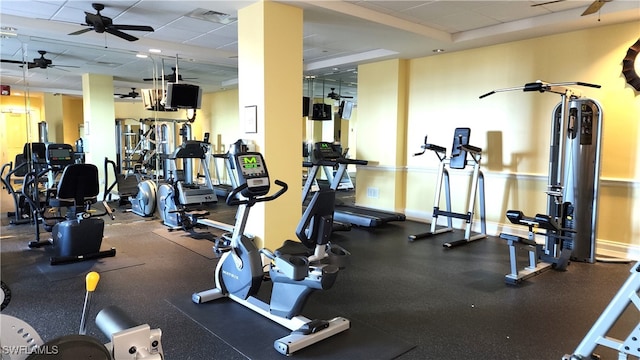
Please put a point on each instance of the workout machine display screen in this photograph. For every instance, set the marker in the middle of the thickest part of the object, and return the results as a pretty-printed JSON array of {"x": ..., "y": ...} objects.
[
  {"x": 59, "y": 154},
  {"x": 326, "y": 151},
  {"x": 253, "y": 171}
]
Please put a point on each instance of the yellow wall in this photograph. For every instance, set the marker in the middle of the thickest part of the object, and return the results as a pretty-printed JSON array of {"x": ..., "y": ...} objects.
[
  {"x": 72, "y": 119},
  {"x": 381, "y": 131},
  {"x": 270, "y": 73},
  {"x": 222, "y": 109},
  {"x": 16, "y": 127},
  {"x": 513, "y": 127}
]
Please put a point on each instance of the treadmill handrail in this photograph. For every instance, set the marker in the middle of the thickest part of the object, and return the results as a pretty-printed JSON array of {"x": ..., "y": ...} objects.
[{"x": 352, "y": 161}]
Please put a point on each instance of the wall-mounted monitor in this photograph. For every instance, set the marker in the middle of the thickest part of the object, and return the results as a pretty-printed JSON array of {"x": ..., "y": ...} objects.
[
  {"x": 346, "y": 107},
  {"x": 306, "y": 106},
  {"x": 183, "y": 96},
  {"x": 321, "y": 112}
]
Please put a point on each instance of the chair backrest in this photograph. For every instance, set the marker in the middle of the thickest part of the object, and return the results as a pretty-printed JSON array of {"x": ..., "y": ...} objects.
[{"x": 79, "y": 182}]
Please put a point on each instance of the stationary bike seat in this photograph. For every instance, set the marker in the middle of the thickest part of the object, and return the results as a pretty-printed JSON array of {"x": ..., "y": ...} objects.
[{"x": 290, "y": 247}]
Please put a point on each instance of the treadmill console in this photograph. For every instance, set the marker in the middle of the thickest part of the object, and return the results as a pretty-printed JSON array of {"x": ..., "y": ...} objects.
[
  {"x": 326, "y": 151},
  {"x": 252, "y": 171}
]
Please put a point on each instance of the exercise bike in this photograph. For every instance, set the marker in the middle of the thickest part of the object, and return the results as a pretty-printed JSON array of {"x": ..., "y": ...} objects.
[
  {"x": 239, "y": 272},
  {"x": 76, "y": 236}
]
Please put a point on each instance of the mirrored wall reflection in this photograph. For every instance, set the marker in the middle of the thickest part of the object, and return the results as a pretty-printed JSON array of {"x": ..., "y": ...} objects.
[
  {"x": 55, "y": 62},
  {"x": 19, "y": 112},
  {"x": 332, "y": 86}
]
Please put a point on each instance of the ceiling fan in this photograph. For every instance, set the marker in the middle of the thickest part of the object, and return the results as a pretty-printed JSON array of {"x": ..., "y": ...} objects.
[
  {"x": 593, "y": 8},
  {"x": 335, "y": 96},
  {"x": 100, "y": 24},
  {"x": 170, "y": 77},
  {"x": 41, "y": 62},
  {"x": 132, "y": 94}
]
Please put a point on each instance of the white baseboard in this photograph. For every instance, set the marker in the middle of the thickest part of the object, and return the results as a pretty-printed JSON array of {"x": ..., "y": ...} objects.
[{"x": 604, "y": 247}]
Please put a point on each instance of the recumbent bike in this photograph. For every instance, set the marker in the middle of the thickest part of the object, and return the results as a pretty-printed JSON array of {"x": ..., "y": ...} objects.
[
  {"x": 239, "y": 272},
  {"x": 76, "y": 236}
]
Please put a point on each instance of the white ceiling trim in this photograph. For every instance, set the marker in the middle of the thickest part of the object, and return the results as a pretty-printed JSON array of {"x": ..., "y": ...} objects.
[
  {"x": 363, "y": 56},
  {"x": 567, "y": 19},
  {"x": 381, "y": 18}
]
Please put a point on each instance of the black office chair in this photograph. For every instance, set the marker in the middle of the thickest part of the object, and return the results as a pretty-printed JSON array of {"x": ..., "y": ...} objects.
[{"x": 79, "y": 237}]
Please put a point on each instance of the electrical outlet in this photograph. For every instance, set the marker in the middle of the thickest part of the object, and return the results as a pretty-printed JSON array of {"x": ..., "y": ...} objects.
[{"x": 373, "y": 192}]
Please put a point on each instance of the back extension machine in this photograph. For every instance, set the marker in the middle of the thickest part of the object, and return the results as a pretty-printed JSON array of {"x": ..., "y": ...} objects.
[{"x": 458, "y": 161}]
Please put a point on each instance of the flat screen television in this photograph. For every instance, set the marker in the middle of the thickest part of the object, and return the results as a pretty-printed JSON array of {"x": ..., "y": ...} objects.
[
  {"x": 321, "y": 112},
  {"x": 183, "y": 96},
  {"x": 346, "y": 107},
  {"x": 306, "y": 106}
]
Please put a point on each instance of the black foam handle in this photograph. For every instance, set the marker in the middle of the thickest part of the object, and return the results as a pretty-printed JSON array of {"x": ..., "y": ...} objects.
[
  {"x": 589, "y": 85},
  {"x": 487, "y": 94},
  {"x": 534, "y": 86}
]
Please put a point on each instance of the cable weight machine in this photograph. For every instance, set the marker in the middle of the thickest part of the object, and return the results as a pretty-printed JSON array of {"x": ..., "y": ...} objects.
[{"x": 572, "y": 188}]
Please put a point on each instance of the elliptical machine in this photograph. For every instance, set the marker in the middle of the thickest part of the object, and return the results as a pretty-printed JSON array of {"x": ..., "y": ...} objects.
[
  {"x": 144, "y": 202},
  {"x": 239, "y": 272}
]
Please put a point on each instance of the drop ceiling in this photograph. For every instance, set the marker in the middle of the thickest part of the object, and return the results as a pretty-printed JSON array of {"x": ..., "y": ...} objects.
[{"x": 200, "y": 37}]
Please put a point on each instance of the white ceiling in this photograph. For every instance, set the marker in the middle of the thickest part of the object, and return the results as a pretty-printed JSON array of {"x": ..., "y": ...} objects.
[{"x": 338, "y": 35}]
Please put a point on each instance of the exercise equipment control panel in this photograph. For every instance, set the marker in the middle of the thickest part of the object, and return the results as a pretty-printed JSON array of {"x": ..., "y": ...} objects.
[{"x": 252, "y": 171}]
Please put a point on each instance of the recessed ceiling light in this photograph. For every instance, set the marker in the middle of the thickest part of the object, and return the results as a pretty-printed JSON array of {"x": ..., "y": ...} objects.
[
  {"x": 155, "y": 51},
  {"x": 7, "y": 31},
  {"x": 438, "y": 50},
  {"x": 142, "y": 56}
]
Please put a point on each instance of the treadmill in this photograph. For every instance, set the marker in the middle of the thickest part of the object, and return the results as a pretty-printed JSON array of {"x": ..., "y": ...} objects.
[
  {"x": 222, "y": 189},
  {"x": 311, "y": 184},
  {"x": 325, "y": 154}
]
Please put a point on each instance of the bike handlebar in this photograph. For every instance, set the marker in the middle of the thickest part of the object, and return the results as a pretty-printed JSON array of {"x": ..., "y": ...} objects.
[{"x": 232, "y": 200}]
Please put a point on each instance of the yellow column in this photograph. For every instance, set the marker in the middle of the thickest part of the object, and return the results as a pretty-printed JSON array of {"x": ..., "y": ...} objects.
[
  {"x": 53, "y": 115},
  {"x": 382, "y": 104},
  {"x": 270, "y": 78},
  {"x": 99, "y": 138}
]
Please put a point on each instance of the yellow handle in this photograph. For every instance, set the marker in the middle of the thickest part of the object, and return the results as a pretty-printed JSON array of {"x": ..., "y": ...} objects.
[{"x": 92, "y": 281}]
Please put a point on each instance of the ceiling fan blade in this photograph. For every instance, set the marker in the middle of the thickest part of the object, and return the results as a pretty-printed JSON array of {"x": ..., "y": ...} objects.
[
  {"x": 82, "y": 31},
  {"x": 547, "y": 3},
  {"x": 13, "y": 62},
  {"x": 57, "y": 67},
  {"x": 132, "y": 27},
  {"x": 32, "y": 65},
  {"x": 121, "y": 34},
  {"x": 594, "y": 7}
]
